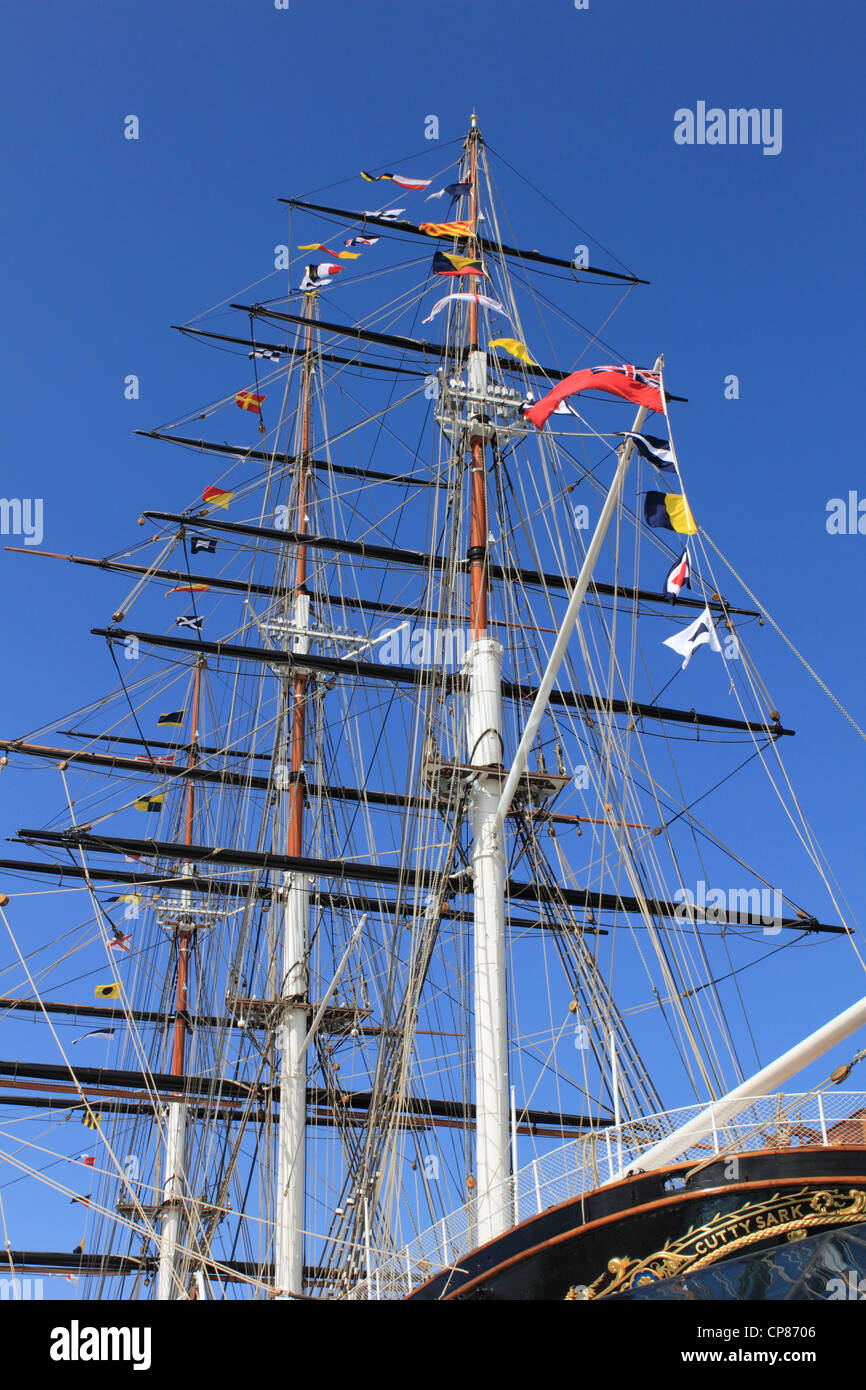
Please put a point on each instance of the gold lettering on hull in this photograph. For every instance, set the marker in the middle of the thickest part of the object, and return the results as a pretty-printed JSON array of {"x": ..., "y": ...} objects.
[{"x": 791, "y": 1215}]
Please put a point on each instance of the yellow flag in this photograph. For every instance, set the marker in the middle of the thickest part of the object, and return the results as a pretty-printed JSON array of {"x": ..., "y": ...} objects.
[
  {"x": 446, "y": 229},
  {"x": 515, "y": 347},
  {"x": 107, "y": 991},
  {"x": 341, "y": 255},
  {"x": 679, "y": 514}
]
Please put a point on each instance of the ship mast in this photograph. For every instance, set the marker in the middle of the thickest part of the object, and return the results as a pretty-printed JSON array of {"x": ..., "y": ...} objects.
[
  {"x": 485, "y": 750},
  {"x": 168, "y": 1283},
  {"x": 293, "y": 1021}
]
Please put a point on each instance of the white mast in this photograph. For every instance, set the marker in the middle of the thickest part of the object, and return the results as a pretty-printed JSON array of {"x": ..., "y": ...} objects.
[
  {"x": 489, "y": 807},
  {"x": 293, "y": 1023},
  {"x": 485, "y": 749},
  {"x": 493, "y": 1135},
  {"x": 169, "y": 1284}
]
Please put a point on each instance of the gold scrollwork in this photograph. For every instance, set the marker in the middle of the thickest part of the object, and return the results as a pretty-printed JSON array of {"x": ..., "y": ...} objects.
[{"x": 790, "y": 1215}]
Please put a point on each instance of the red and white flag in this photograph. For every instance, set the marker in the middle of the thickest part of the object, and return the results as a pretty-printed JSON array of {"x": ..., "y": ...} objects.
[
  {"x": 317, "y": 275},
  {"x": 400, "y": 179},
  {"x": 631, "y": 383},
  {"x": 679, "y": 577}
]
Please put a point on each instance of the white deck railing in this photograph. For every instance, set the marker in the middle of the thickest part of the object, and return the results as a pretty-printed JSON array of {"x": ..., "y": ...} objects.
[{"x": 582, "y": 1165}]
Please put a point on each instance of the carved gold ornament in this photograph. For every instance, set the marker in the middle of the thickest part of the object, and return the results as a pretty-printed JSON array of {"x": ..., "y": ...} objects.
[{"x": 726, "y": 1232}]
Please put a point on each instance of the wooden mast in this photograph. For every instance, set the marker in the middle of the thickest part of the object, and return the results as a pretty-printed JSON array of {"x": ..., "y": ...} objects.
[{"x": 478, "y": 486}]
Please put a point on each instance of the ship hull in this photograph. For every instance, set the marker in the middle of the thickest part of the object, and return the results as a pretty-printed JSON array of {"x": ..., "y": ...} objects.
[{"x": 631, "y": 1237}]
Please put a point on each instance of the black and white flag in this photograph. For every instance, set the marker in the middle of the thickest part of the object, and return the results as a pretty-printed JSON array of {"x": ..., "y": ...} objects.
[
  {"x": 186, "y": 620},
  {"x": 657, "y": 451}
]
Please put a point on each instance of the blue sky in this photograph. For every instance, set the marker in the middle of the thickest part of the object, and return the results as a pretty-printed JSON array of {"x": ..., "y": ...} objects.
[{"x": 755, "y": 263}]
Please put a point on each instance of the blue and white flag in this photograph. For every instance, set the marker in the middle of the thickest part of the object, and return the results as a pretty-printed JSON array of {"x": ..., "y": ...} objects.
[
  {"x": 657, "y": 451},
  {"x": 484, "y": 299},
  {"x": 700, "y": 633},
  {"x": 454, "y": 191}
]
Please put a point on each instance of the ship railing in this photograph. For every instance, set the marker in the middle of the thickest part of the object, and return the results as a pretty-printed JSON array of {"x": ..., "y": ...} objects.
[{"x": 789, "y": 1120}]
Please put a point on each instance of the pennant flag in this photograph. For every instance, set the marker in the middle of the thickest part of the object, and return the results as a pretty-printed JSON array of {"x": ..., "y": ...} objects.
[
  {"x": 264, "y": 352},
  {"x": 94, "y": 1033},
  {"x": 446, "y": 264},
  {"x": 173, "y": 718},
  {"x": 150, "y": 803},
  {"x": 167, "y": 758},
  {"x": 401, "y": 181},
  {"x": 669, "y": 511},
  {"x": 341, "y": 255},
  {"x": 126, "y": 898},
  {"x": 250, "y": 400},
  {"x": 217, "y": 496},
  {"x": 515, "y": 348},
  {"x": 633, "y": 385},
  {"x": 202, "y": 543},
  {"x": 107, "y": 991},
  {"x": 361, "y": 240},
  {"x": 89, "y": 1159},
  {"x": 679, "y": 577},
  {"x": 196, "y": 588},
  {"x": 454, "y": 190},
  {"x": 657, "y": 451},
  {"x": 188, "y": 620},
  {"x": 445, "y": 228},
  {"x": 464, "y": 294},
  {"x": 85, "y": 1201},
  {"x": 700, "y": 633},
  {"x": 318, "y": 275},
  {"x": 134, "y": 858},
  {"x": 414, "y": 185},
  {"x": 120, "y": 943},
  {"x": 79, "y": 1249}
]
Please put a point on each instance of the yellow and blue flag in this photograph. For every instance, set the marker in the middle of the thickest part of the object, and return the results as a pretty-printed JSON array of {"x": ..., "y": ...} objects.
[{"x": 669, "y": 510}]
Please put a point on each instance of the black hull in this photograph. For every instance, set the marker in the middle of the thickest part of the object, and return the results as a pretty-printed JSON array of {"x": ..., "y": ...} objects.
[{"x": 665, "y": 1225}]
